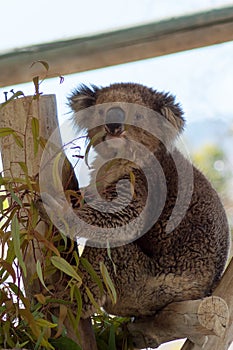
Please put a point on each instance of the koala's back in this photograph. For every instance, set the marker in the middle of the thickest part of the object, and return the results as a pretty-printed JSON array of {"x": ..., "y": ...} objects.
[
  {"x": 200, "y": 243},
  {"x": 162, "y": 267}
]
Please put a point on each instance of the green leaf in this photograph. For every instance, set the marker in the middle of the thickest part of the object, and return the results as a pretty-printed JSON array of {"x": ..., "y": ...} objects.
[
  {"x": 8, "y": 267},
  {"x": 35, "y": 134},
  {"x": 108, "y": 282},
  {"x": 44, "y": 63},
  {"x": 16, "y": 242},
  {"x": 41, "y": 341},
  {"x": 64, "y": 343},
  {"x": 78, "y": 298},
  {"x": 24, "y": 167},
  {"x": 10, "y": 131},
  {"x": 17, "y": 291},
  {"x": 88, "y": 267},
  {"x": 3, "y": 203},
  {"x": 55, "y": 172},
  {"x": 40, "y": 274},
  {"x": 18, "y": 140},
  {"x": 87, "y": 153},
  {"x": 15, "y": 95},
  {"x": 42, "y": 142},
  {"x": 92, "y": 299},
  {"x": 110, "y": 257},
  {"x": 36, "y": 82},
  {"x": 15, "y": 198},
  {"x": 7, "y": 331},
  {"x": 112, "y": 340},
  {"x": 65, "y": 267},
  {"x": 29, "y": 318},
  {"x": 76, "y": 257},
  {"x": 45, "y": 324},
  {"x": 98, "y": 136},
  {"x": 7, "y": 180},
  {"x": 48, "y": 244},
  {"x": 6, "y": 131},
  {"x": 37, "y": 87}
]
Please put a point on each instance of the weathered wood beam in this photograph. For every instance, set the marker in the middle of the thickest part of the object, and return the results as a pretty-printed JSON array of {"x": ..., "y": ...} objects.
[
  {"x": 193, "y": 319},
  {"x": 223, "y": 290},
  {"x": 112, "y": 48}
]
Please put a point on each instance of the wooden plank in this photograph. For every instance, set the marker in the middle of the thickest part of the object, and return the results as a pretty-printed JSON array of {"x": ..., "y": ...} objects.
[{"x": 112, "y": 48}]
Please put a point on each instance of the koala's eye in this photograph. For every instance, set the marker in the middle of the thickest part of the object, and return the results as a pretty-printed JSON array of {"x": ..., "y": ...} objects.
[{"x": 138, "y": 116}]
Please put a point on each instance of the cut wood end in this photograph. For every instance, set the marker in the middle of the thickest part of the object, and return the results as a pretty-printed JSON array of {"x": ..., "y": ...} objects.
[{"x": 213, "y": 314}]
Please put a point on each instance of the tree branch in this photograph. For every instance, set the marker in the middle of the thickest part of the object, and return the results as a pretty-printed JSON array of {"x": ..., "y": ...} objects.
[
  {"x": 192, "y": 319},
  {"x": 223, "y": 290}
]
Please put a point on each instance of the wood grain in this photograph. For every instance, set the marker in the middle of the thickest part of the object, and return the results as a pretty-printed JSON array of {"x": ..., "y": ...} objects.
[{"x": 117, "y": 47}]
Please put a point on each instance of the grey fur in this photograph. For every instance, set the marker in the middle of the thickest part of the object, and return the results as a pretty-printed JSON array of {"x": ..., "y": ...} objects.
[{"x": 158, "y": 267}]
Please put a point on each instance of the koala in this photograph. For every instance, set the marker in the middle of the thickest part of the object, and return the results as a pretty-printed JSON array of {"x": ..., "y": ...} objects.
[{"x": 165, "y": 224}]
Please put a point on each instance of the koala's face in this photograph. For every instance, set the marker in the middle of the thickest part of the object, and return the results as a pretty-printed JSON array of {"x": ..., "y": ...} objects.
[{"x": 126, "y": 117}]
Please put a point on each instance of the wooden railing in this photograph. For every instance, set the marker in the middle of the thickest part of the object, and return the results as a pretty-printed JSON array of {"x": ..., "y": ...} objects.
[{"x": 112, "y": 48}]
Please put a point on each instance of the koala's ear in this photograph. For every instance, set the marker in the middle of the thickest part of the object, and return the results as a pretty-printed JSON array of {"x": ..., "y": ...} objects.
[
  {"x": 174, "y": 118},
  {"x": 172, "y": 112},
  {"x": 83, "y": 97}
]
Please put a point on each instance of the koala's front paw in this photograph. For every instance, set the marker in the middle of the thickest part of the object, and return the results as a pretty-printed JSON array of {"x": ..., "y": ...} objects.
[{"x": 59, "y": 211}]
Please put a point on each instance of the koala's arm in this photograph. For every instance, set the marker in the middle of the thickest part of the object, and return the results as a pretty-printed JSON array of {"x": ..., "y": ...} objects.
[
  {"x": 118, "y": 217},
  {"x": 69, "y": 183}
]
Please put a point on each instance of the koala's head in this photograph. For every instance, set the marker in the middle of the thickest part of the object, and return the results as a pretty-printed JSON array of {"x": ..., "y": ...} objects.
[{"x": 116, "y": 115}]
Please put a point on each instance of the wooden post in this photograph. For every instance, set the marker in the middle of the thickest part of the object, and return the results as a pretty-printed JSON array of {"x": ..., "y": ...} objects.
[{"x": 18, "y": 115}]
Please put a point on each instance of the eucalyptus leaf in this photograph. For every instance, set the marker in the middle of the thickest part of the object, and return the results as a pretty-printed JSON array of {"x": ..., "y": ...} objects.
[
  {"x": 112, "y": 338},
  {"x": 6, "y": 131},
  {"x": 65, "y": 267},
  {"x": 15, "y": 95},
  {"x": 40, "y": 274},
  {"x": 88, "y": 267},
  {"x": 35, "y": 134},
  {"x": 64, "y": 343},
  {"x": 16, "y": 242},
  {"x": 108, "y": 282}
]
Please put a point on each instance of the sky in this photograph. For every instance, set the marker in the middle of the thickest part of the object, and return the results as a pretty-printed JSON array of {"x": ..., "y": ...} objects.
[
  {"x": 26, "y": 22},
  {"x": 201, "y": 79}
]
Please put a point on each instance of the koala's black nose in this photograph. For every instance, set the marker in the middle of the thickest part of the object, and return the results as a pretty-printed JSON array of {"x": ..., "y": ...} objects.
[{"x": 115, "y": 118}]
